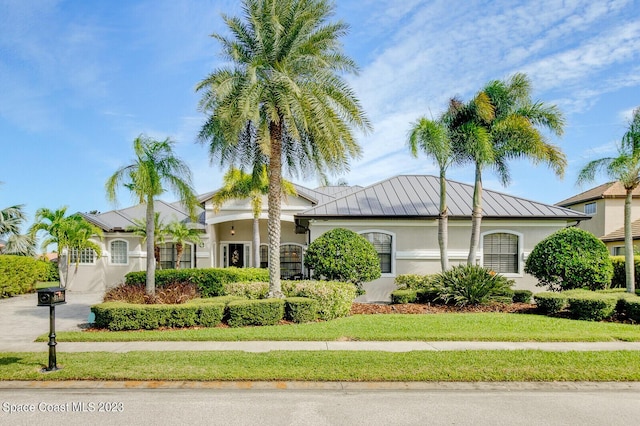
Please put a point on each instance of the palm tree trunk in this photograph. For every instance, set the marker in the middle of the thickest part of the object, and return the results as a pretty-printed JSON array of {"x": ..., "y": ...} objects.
[
  {"x": 256, "y": 241},
  {"x": 476, "y": 217},
  {"x": 63, "y": 267},
  {"x": 274, "y": 201},
  {"x": 179, "y": 250},
  {"x": 150, "y": 287},
  {"x": 629, "y": 266},
  {"x": 443, "y": 220}
]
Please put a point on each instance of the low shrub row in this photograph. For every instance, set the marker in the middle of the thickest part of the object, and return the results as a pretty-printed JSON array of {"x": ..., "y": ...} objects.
[
  {"x": 210, "y": 281},
  {"x": 18, "y": 274},
  {"x": 619, "y": 279},
  {"x": 209, "y": 312},
  {"x": 590, "y": 305}
]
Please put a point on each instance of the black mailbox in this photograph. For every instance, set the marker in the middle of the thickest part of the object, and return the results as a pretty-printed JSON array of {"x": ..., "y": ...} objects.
[{"x": 51, "y": 296}]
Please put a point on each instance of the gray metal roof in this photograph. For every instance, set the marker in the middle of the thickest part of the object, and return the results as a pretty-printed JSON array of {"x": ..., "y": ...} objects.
[{"x": 418, "y": 196}]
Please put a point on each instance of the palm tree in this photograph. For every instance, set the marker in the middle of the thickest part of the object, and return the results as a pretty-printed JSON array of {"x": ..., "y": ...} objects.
[
  {"x": 155, "y": 165},
  {"x": 67, "y": 233},
  {"x": 240, "y": 185},
  {"x": 11, "y": 220},
  {"x": 499, "y": 124},
  {"x": 624, "y": 168},
  {"x": 283, "y": 93},
  {"x": 432, "y": 137},
  {"x": 159, "y": 232},
  {"x": 181, "y": 233}
]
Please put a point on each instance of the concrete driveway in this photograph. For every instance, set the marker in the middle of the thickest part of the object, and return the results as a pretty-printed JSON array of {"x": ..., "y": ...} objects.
[{"x": 22, "y": 320}]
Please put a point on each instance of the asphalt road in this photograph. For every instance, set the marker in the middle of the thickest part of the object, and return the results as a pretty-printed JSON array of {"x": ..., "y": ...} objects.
[{"x": 319, "y": 407}]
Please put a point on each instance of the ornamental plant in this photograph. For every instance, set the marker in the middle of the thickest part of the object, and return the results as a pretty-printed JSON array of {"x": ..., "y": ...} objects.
[
  {"x": 343, "y": 255},
  {"x": 570, "y": 258},
  {"x": 472, "y": 285}
]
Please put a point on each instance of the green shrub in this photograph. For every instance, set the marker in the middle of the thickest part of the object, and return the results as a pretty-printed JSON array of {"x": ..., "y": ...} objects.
[
  {"x": 631, "y": 308},
  {"x": 619, "y": 279},
  {"x": 300, "y": 309},
  {"x": 550, "y": 303},
  {"x": 472, "y": 285},
  {"x": 414, "y": 282},
  {"x": 343, "y": 255},
  {"x": 428, "y": 295},
  {"x": 117, "y": 316},
  {"x": 255, "y": 312},
  {"x": 522, "y": 296},
  {"x": 209, "y": 281},
  {"x": 334, "y": 298},
  {"x": 570, "y": 258},
  {"x": 404, "y": 296},
  {"x": 18, "y": 274},
  {"x": 247, "y": 290},
  {"x": 591, "y": 307}
]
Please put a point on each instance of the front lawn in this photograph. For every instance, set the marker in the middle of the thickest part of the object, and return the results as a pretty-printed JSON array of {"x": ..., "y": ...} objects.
[
  {"x": 434, "y": 327},
  {"x": 468, "y": 366}
]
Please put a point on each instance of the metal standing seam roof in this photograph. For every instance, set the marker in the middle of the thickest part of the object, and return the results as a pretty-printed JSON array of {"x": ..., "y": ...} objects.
[{"x": 418, "y": 196}]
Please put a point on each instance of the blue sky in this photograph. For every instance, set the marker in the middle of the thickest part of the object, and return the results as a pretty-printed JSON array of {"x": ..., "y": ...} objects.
[{"x": 80, "y": 80}]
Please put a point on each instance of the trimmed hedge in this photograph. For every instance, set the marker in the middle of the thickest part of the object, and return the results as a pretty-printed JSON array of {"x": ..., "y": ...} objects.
[
  {"x": 404, "y": 296},
  {"x": 247, "y": 290},
  {"x": 300, "y": 309},
  {"x": 619, "y": 279},
  {"x": 414, "y": 282},
  {"x": 255, "y": 312},
  {"x": 334, "y": 297},
  {"x": 18, "y": 274},
  {"x": 591, "y": 307},
  {"x": 428, "y": 295},
  {"x": 631, "y": 307},
  {"x": 210, "y": 281},
  {"x": 522, "y": 296},
  {"x": 117, "y": 316},
  {"x": 550, "y": 303}
]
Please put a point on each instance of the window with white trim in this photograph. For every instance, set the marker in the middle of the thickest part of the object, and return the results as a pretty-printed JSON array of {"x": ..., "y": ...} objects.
[
  {"x": 590, "y": 208},
  {"x": 264, "y": 256},
  {"x": 84, "y": 256},
  {"x": 500, "y": 252},
  {"x": 290, "y": 261},
  {"x": 168, "y": 256},
  {"x": 383, "y": 244},
  {"x": 119, "y": 252}
]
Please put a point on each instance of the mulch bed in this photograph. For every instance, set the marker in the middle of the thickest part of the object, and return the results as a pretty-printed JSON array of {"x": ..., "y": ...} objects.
[{"x": 420, "y": 308}]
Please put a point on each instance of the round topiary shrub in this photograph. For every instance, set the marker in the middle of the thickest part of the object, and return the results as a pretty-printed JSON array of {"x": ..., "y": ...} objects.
[
  {"x": 570, "y": 258},
  {"x": 343, "y": 255}
]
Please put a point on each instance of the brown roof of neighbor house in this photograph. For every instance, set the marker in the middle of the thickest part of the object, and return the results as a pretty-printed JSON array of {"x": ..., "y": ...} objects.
[
  {"x": 606, "y": 190},
  {"x": 618, "y": 234},
  {"x": 418, "y": 196}
]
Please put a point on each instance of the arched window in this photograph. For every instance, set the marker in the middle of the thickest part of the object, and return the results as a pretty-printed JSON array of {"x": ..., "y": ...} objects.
[
  {"x": 501, "y": 252},
  {"x": 290, "y": 261},
  {"x": 383, "y": 244},
  {"x": 119, "y": 252}
]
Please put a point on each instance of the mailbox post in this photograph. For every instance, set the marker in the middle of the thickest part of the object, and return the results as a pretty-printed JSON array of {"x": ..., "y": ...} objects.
[{"x": 51, "y": 297}]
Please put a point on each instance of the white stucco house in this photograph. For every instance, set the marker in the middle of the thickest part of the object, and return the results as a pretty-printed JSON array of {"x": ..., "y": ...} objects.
[{"x": 398, "y": 215}]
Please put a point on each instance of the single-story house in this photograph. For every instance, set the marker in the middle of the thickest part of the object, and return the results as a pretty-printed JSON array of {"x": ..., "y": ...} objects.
[{"x": 398, "y": 215}]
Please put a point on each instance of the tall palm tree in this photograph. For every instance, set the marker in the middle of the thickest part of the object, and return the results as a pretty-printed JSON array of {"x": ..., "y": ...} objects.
[
  {"x": 11, "y": 220},
  {"x": 432, "y": 137},
  {"x": 159, "y": 232},
  {"x": 284, "y": 94},
  {"x": 66, "y": 233},
  {"x": 155, "y": 166},
  {"x": 624, "y": 168},
  {"x": 181, "y": 233},
  {"x": 499, "y": 124},
  {"x": 241, "y": 185}
]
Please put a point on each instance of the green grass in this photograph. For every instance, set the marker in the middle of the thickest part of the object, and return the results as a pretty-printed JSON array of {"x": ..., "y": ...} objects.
[
  {"x": 437, "y": 327},
  {"x": 329, "y": 366}
]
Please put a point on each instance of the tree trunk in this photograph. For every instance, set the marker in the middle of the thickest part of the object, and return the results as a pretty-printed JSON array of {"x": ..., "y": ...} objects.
[
  {"x": 274, "y": 201},
  {"x": 476, "y": 217},
  {"x": 443, "y": 231},
  {"x": 150, "y": 287},
  {"x": 63, "y": 265},
  {"x": 179, "y": 250},
  {"x": 256, "y": 241},
  {"x": 629, "y": 266}
]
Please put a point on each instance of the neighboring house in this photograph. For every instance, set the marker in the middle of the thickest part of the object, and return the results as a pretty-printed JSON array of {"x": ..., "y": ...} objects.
[
  {"x": 605, "y": 205},
  {"x": 398, "y": 215}
]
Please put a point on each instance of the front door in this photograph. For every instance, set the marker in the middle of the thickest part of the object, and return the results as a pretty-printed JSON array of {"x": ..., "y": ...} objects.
[{"x": 236, "y": 255}]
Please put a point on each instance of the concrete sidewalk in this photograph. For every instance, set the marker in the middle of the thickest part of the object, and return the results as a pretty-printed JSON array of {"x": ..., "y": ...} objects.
[{"x": 22, "y": 322}]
